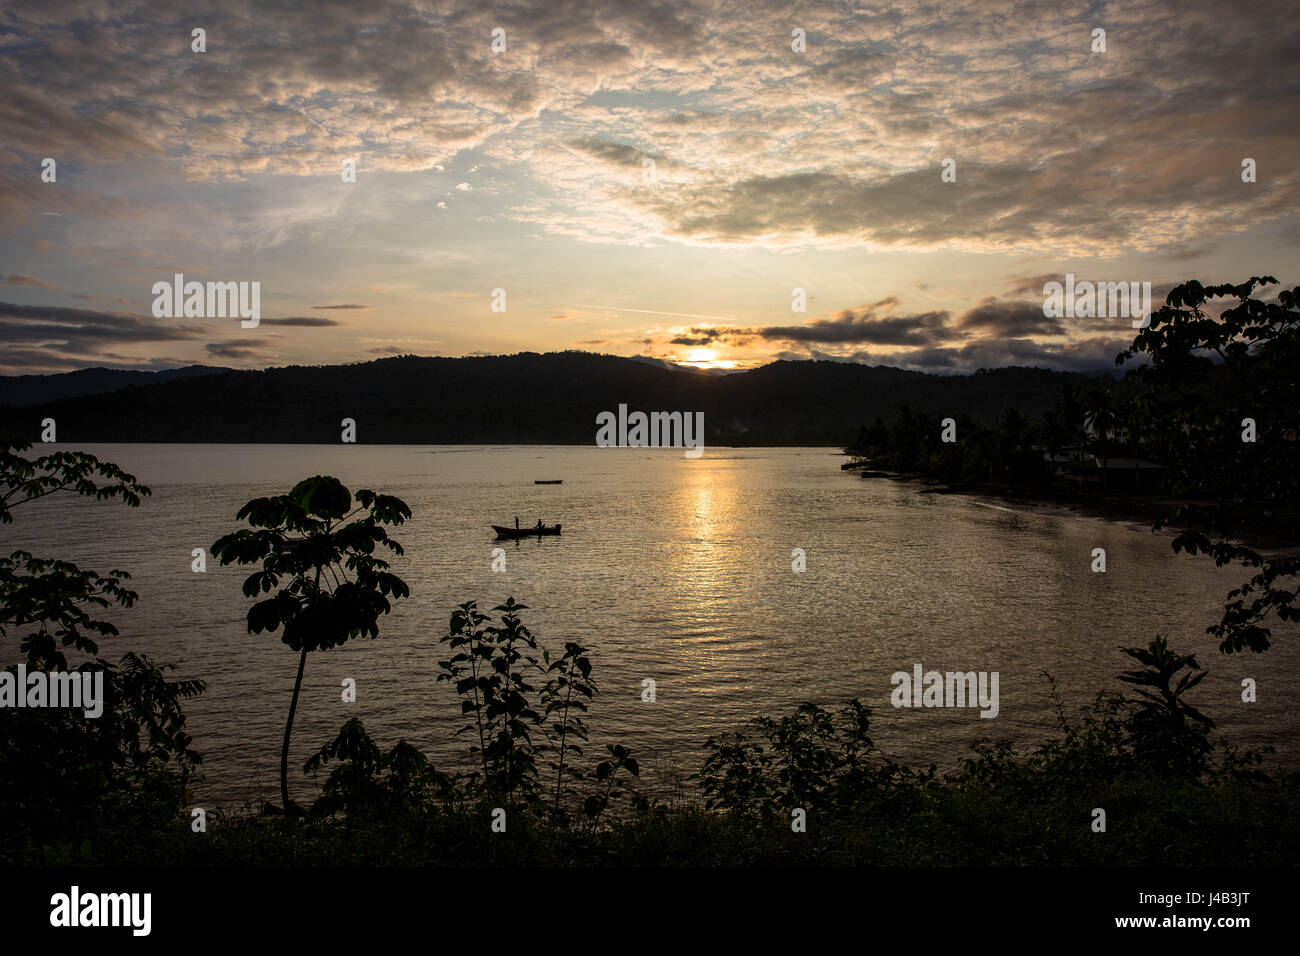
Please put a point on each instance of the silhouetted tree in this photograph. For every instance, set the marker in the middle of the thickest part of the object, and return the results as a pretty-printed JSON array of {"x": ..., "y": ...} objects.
[
  {"x": 1099, "y": 417},
  {"x": 60, "y": 773},
  {"x": 308, "y": 542},
  {"x": 1205, "y": 378}
]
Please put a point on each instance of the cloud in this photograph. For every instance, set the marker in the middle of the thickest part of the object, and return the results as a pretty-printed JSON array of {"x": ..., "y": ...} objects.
[
  {"x": 29, "y": 361},
  {"x": 1009, "y": 319},
  {"x": 304, "y": 321},
  {"x": 994, "y": 333},
  {"x": 1090, "y": 355},
  {"x": 59, "y": 338},
  {"x": 840, "y": 145},
  {"x": 1032, "y": 285},
  {"x": 35, "y": 283},
  {"x": 219, "y": 158},
  {"x": 38, "y": 323},
  {"x": 860, "y": 325},
  {"x": 30, "y": 281},
  {"x": 120, "y": 300},
  {"x": 240, "y": 349}
]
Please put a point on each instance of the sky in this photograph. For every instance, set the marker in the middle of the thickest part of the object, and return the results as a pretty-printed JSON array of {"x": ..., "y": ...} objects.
[{"x": 524, "y": 169}]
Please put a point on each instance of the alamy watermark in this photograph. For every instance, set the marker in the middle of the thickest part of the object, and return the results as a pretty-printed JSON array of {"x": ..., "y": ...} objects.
[
  {"x": 1088, "y": 300},
  {"x": 179, "y": 299},
  {"x": 953, "y": 689},
  {"x": 74, "y": 689},
  {"x": 74, "y": 909},
  {"x": 656, "y": 430}
]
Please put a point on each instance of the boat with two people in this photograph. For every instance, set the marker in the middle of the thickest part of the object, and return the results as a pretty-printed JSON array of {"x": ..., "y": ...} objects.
[{"x": 525, "y": 532}]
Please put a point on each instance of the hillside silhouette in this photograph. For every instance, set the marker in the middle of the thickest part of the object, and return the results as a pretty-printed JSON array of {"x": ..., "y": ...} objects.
[
  {"x": 21, "y": 390},
  {"x": 529, "y": 398}
]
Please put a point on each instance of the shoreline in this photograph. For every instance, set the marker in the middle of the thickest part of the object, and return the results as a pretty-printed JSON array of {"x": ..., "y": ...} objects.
[{"x": 1134, "y": 510}]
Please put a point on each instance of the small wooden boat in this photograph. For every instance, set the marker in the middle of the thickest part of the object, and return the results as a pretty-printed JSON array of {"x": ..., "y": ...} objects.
[
  {"x": 525, "y": 532},
  {"x": 558, "y": 481}
]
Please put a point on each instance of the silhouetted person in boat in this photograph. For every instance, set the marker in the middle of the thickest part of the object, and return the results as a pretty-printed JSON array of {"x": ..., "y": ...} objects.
[
  {"x": 516, "y": 522},
  {"x": 539, "y": 524}
]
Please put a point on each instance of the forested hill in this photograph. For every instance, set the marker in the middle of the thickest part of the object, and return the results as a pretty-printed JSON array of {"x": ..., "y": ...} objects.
[
  {"x": 528, "y": 398},
  {"x": 33, "y": 389}
]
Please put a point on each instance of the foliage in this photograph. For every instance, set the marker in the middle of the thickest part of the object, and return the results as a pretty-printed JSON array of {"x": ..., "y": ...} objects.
[
  {"x": 491, "y": 666},
  {"x": 565, "y": 697},
  {"x": 620, "y": 758},
  {"x": 1168, "y": 734},
  {"x": 812, "y": 759},
  {"x": 23, "y": 480},
  {"x": 56, "y": 598},
  {"x": 1007, "y": 453},
  {"x": 308, "y": 540},
  {"x": 367, "y": 780},
  {"x": 1186, "y": 409},
  {"x": 1149, "y": 758},
  {"x": 62, "y": 772},
  {"x": 1000, "y": 808},
  {"x": 1193, "y": 408},
  {"x": 551, "y": 400},
  {"x": 319, "y": 551}
]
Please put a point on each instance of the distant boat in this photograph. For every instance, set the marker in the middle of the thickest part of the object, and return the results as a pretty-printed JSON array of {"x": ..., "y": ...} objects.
[
  {"x": 525, "y": 532},
  {"x": 557, "y": 481}
]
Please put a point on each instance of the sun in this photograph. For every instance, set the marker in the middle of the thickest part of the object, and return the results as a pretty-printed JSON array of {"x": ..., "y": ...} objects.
[{"x": 707, "y": 359}]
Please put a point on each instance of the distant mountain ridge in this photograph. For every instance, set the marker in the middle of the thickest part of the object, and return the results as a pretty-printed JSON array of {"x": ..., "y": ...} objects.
[
  {"x": 527, "y": 398},
  {"x": 22, "y": 390}
]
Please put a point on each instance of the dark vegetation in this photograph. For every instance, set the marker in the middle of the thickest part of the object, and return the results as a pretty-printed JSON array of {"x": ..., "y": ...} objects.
[
  {"x": 1216, "y": 406},
  {"x": 317, "y": 552},
  {"x": 19, "y": 391},
  {"x": 118, "y": 789},
  {"x": 529, "y": 399},
  {"x": 64, "y": 777}
]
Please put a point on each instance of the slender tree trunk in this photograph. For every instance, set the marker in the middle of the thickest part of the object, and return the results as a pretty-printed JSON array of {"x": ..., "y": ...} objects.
[
  {"x": 505, "y": 729},
  {"x": 288, "y": 730},
  {"x": 564, "y": 730},
  {"x": 293, "y": 706},
  {"x": 478, "y": 707}
]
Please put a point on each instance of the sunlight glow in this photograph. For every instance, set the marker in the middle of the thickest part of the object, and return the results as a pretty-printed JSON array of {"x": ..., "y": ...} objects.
[{"x": 706, "y": 358}]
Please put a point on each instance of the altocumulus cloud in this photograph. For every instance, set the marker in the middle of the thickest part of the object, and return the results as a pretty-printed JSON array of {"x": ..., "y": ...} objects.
[
  {"x": 839, "y": 145},
  {"x": 1058, "y": 150}
]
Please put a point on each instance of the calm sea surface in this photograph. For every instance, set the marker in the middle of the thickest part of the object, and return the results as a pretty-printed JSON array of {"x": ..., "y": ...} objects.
[{"x": 669, "y": 568}]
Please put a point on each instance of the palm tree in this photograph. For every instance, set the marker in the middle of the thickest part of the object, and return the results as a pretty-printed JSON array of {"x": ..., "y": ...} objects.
[
  {"x": 1100, "y": 419},
  {"x": 1051, "y": 433},
  {"x": 1051, "y": 430},
  {"x": 1070, "y": 409},
  {"x": 1011, "y": 430},
  {"x": 1012, "y": 427}
]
